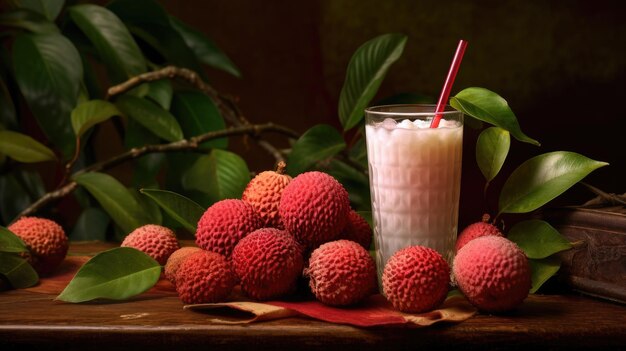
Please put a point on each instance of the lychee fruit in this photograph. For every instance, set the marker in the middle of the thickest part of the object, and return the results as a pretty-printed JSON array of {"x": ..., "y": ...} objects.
[
  {"x": 154, "y": 240},
  {"x": 264, "y": 192},
  {"x": 176, "y": 258},
  {"x": 416, "y": 279},
  {"x": 476, "y": 230},
  {"x": 204, "y": 277},
  {"x": 225, "y": 223},
  {"x": 268, "y": 263},
  {"x": 314, "y": 208},
  {"x": 46, "y": 242},
  {"x": 341, "y": 273},
  {"x": 358, "y": 230},
  {"x": 493, "y": 273}
]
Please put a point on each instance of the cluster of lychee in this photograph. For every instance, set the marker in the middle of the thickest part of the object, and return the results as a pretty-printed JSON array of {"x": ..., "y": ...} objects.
[
  {"x": 283, "y": 229},
  {"x": 280, "y": 231}
]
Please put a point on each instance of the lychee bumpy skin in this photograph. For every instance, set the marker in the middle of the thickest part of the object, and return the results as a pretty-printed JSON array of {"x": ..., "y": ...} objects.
[
  {"x": 341, "y": 273},
  {"x": 204, "y": 277},
  {"x": 46, "y": 242},
  {"x": 358, "y": 230},
  {"x": 174, "y": 261},
  {"x": 416, "y": 279},
  {"x": 493, "y": 273},
  {"x": 264, "y": 192},
  {"x": 225, "y": 223},
  {"x": 156, "y": 241},
  {"x": 477, "y": 230},
  {"x": 314, "y": 208},
  {"x": 268, "y": 263}
]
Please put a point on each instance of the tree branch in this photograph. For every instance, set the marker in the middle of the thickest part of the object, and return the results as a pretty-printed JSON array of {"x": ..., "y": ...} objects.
[
  {"x": 226, "y": 104},
  {"x": 191, "y": 144}
]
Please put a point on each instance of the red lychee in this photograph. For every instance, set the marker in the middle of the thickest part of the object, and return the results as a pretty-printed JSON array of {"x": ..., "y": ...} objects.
[
  {"x": 341, "y": 273},
  {"x": 204, "y": 277},
  {"x": 268, "y": 263},
  {"x": 358, "y": 230},
  {"x": 493, "y": 273},
  {"x": 176, "y": 258},
  {"x": 225, "y": 223},
  {"x": 476, "y": 230},
  {"x": 416, "y": 279},
  {"x": 314, "y": 208},
  {"x": 46, "y": 242},
  {"x": 154, "y": 240},
  {"x": 264, "y": 192}
]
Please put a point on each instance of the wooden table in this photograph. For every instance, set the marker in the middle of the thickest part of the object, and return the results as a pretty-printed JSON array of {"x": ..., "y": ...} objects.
[{"x": 34, "y": 321}]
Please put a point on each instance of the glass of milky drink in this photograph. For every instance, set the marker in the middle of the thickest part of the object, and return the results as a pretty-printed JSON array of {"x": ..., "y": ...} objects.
[{"x": 415, "y": 178}]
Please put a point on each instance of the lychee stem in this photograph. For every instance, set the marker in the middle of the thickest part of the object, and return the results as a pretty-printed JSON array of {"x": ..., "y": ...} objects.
[
  {"x": 486, "y": 218},
  {"x": 280, "y": 167}
]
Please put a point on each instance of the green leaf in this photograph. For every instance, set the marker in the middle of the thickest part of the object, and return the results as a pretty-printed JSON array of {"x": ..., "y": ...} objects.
[
  {"x": 7, "y": 108},
  {"x": 490, "y": 107},
  {"x": 491, "y": 150},
  {"x": 148, "y": 20},
  {"x": 137, "y": 135},
  {"x": 90, "y": 78},
  {"x": 48, "y": 70},
  {"x": 152, "y": 117},
  {"x": 365, "y": 73},
  {"x": 221, "y": 175},
  {"x": 542, "y": 270},
  {"x": 33, "y": 183},
  {"x": 112, "y": 41},
  {"x": 116, "y": 274},
  {"x": 358, "y": 151},
  {"x": 160, "y": 91},
  {"x": 355, "y": 182},
  {"x": 10, "y": 242},
  {"x": 537, "y": 238},
  {"x": 28, "y": 20},
  {"x": 115, "y": 199},
  {"x": 198, "y": 114},
  {"x": 48, "y": 8},
  {"x": 90, "y": 113},
  {"x": 205, "y": 50},
  {"x": 14, "y": 197},
  {"x": 316, "y": 144},
  {"x": 180, "y": 208},
  {"x": 23, "y": 148},
  {"x": 146, "y": 169},
  {"x": 91, "y": 225},
  {"x": 149, "y": 207},
  {"x": 542, "y": 178},
  {"x": 17, "y": 271}
]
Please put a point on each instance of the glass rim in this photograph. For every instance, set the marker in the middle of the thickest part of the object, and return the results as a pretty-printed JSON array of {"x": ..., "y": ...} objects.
[{"x": 374, "y": 110}]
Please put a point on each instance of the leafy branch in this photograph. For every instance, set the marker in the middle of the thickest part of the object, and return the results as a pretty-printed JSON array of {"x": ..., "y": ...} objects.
[
  {"x": 225, "y": 103},
  {"x": 530, "y": 186},
  {"x": 191, "y": 144}
]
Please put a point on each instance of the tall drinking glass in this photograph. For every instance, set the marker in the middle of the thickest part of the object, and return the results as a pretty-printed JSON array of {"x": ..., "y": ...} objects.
[{"x": 415, "y": 178}]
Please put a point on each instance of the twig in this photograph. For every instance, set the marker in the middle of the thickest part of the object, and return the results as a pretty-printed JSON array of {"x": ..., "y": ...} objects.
[
  {"x": 191, "y": 144},
  {"x": 226, "y": 104},
  {"x": 608, "y": 198}
]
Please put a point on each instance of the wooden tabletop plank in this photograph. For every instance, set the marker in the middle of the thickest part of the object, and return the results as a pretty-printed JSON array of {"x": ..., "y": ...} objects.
[{"x": 34, "y": 320}]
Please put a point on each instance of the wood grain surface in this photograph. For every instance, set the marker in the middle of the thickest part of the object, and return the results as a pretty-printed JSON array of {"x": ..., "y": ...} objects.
[{"x": 35, "y": 321}]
